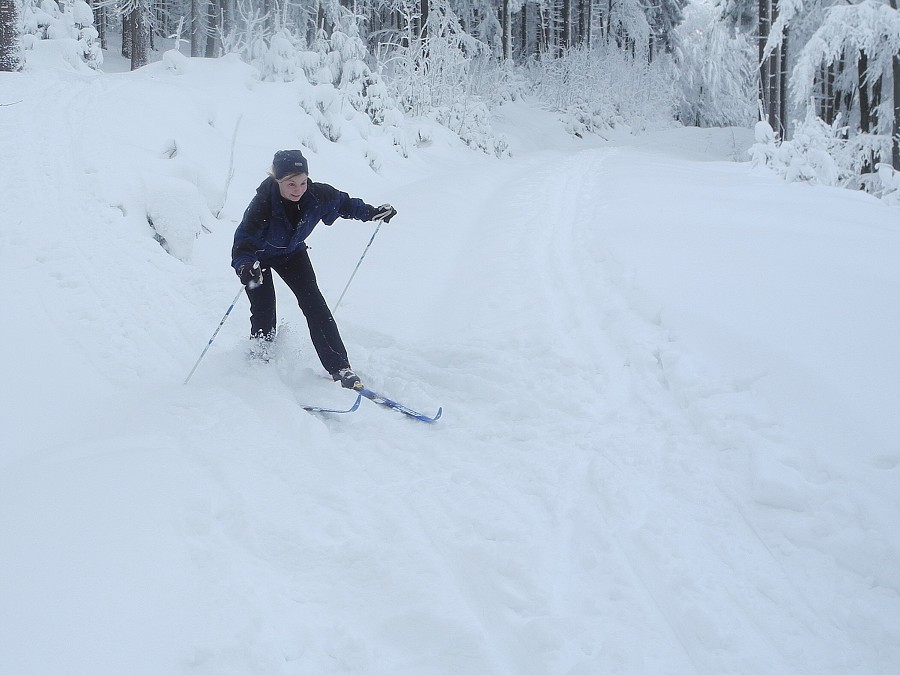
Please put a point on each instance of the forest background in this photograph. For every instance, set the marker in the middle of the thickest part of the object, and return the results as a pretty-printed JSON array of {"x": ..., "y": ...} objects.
[{"x": 820, "y": 78}]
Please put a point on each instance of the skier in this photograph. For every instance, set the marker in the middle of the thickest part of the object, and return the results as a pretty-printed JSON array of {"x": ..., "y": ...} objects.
[{"x": 272, "y": 236}]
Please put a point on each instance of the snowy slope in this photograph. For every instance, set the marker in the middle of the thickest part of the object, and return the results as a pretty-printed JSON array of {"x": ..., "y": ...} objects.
[{"x": 669, "y": 380}]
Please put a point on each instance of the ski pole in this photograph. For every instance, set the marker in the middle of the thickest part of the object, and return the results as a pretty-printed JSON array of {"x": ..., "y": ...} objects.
[
  {"x": 338, "y": 303},
  {"x": 221, "y": 323}
]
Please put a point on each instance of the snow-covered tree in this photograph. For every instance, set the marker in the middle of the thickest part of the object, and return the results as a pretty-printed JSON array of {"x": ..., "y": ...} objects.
[
  {"x": 664, "y": 17},
  {"x": 243, "y": 31},
  {"x": 10, "y": 35},
  {"x": 431, "y": 67},
  {"x": 626, "y": 25},
  {"x": 769, "y": 20},
  {"x": 358, "y": 84},
  {"x": 865, "y": 40},
  {"x": 715, "y": 70}
]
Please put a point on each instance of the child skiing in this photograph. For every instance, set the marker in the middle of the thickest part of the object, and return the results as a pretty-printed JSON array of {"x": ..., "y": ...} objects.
[{"x": 272, "y": 236}]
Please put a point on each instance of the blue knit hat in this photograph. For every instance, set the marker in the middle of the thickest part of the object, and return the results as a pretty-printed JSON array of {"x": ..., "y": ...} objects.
[{"x": 287, "y": 163}]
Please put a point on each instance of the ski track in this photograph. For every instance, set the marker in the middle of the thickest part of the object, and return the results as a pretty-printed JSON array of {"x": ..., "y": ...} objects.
[{"x": 610, "y": 356}]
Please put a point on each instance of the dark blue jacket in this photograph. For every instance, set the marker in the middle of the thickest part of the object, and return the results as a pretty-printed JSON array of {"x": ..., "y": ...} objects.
[{"x": 266, "y": 233}]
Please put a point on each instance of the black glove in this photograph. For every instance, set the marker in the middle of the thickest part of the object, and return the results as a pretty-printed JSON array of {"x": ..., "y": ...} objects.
[
  {"x": 251, "y": 275},
  {"x": 384, "y": 213}
]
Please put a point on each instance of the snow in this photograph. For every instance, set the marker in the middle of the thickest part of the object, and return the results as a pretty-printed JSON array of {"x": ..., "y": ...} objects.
[{"x": 669, "y": 380}]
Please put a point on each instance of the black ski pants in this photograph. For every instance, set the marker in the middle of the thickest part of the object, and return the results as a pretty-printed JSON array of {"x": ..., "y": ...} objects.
[{"x": 297, "y": 272}]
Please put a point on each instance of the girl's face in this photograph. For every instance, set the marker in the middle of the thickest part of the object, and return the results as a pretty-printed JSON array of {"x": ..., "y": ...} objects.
[{"x": 293, "y": 187}]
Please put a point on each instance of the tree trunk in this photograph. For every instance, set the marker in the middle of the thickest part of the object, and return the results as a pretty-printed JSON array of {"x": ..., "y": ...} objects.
[
  {"x": 585, "y": 22},
  {"x": 10, "y": 52},
  {"x": 895, "y": 144},
  {"x": 505, "y": 30},
  {"x": 895, "y": 127},
  {"x": 826, "y": 104},
  {"x": 838, "y": 94},
  {"x": 869, "y": 100},
  {"x": 543, "y": 29},
  {"x": 774, "y": 72},
  {"x": 522, "y": 32},
  {"x": 214, "y": 11},
  {"x": 783, "y": 83},
  {"x": 196, "y": 27},
  {"x": 99, "y": 11},
  {"x": 764, "y": 26},
  {"x": 271, "y": 10},
  {"x": 227, "y": 17},
  {"x": 126, "y": 36},
  {"x": 530, "y": 30},
  {"x": 605, "y": 22},
  {"x": 865, "y": 110},
  {"x": 140, "y": 37}
]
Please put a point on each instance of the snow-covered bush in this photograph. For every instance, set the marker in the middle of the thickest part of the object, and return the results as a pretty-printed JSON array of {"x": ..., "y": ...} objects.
[
  {"x": 68, "y": 20},
  {"x": 603, "y": 87},
  {"x": 337, "y": 85},
  {"x": 278, "y": 61},
  {"x": 808, "y": 156},
  {"x": 176, "y": 212},
  {"x": 496, "y": 82},
  {"x": 37, "y": 16},
  {"x": 448, "y": 76},
  {"x": 827, "y": 155},
  {"x": 175, "y": 61},
  {"x": 471, "y": 122}
]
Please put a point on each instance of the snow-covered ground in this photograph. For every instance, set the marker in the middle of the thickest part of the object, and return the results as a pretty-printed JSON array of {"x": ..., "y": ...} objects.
[{"x": 670, "y": 440}]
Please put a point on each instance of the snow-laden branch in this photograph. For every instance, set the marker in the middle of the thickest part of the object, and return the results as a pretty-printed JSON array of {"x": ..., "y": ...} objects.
[
  {"x": 871, "y": 27},
  {"x": 787, "y": 10}
]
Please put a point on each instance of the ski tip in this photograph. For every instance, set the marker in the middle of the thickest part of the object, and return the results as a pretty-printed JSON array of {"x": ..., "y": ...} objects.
[
  {"x": 430, "y": 420},
  {"x": 339, "y": 411}
]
